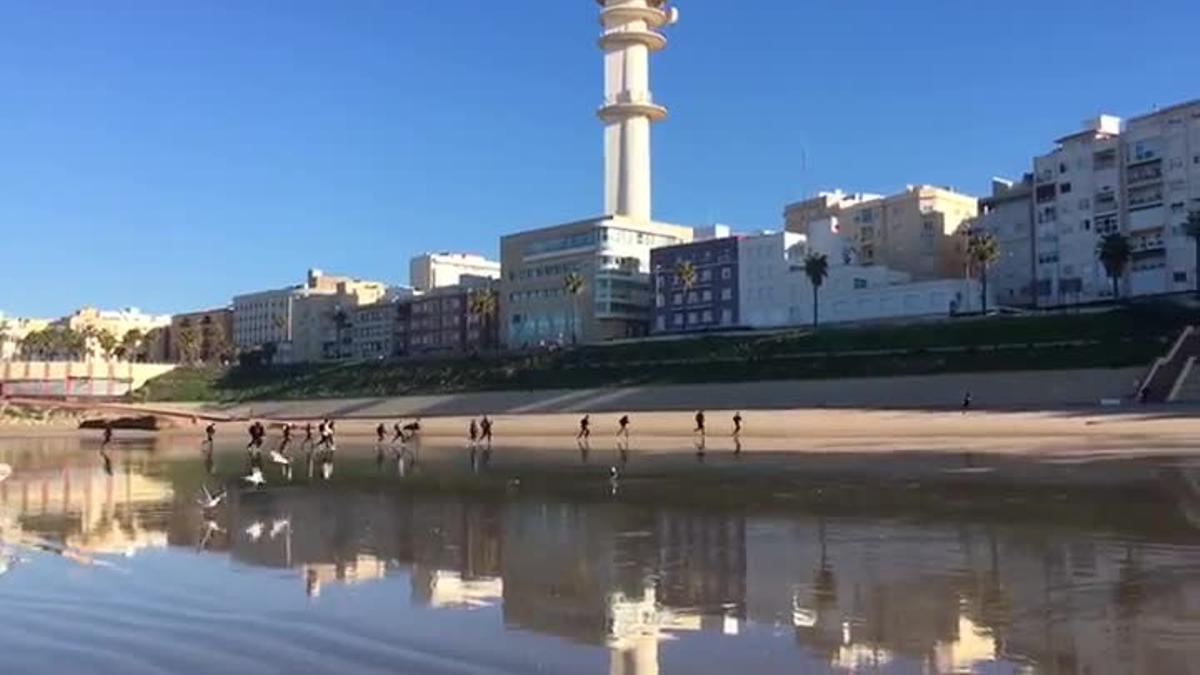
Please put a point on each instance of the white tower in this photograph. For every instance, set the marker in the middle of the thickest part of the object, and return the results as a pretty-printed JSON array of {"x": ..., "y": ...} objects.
[{"x": 630, "y": 35}]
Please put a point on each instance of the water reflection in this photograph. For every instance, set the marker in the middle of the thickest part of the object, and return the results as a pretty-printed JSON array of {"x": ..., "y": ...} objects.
[{"x": 1031, "y": 583}]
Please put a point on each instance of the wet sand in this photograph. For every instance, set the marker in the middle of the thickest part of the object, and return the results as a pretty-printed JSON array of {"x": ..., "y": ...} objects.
[{"x": 1118, "y": 432}]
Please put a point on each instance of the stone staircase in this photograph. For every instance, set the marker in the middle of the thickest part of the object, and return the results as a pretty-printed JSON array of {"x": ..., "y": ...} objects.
[
  {"x": 1171, "y": 374},
  {"x": 1187, "y": 387}
]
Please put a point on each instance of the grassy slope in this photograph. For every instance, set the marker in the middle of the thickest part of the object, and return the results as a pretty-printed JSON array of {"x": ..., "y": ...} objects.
[{"x": 1127, "y": 337}]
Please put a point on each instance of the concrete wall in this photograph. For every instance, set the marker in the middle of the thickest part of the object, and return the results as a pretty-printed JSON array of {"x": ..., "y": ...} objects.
[
  {"x": 1049, "y": 389},
  {"x": 71, "y": 378}
]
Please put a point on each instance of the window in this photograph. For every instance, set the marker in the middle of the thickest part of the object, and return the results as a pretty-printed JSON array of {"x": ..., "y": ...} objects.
[
  {"x": 692, "y": 318},
  {"x": 1064, "y": 188},
  {"x": 693, "y": 297},
  {"x": 707, "y": 316},
  {"x": 726, "y": 317},
  {"x": 1180, "y": 277},
  {"x": 1062, "y": 167},
  {"x": 707, "y": 296},
  {"x": 859, "y": 283},
  {"x": 726, "y": 273},
  {"x": 1084, "y": 203},
  {"x": 659, "y": 300},
  {"x": 706, "y": 275},
  {"x": 678, "y": 319},
  {"x": 726, "y": 293},
  {"x": 677, "y": 299}
]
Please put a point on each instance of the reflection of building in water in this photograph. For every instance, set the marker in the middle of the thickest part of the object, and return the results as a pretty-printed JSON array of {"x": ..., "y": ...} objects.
[
  {"x": 637, "y": 626},
  {"x": 446, "y": 589},
  {"x": 89, "y": 510},
  {"x": 361, "y": 569}
]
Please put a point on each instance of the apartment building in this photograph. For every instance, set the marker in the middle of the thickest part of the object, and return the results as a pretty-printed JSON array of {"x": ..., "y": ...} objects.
[
  {"x": 1007, "y": 214},
  {"x": 269, "y": 317},
  {"x": 776, "y": 292},
  {"x": 444, "y": 322},
  {"x": 915, "y": 231},
  {"x": 708, "y": 298},
  {"x": 322, "y": 323},
  {"x": 204, "y": 336},
  {"x": 1077, "y": 200},
  {"x": 436, "y": 270},
  {"x": 1139, "y": 179},
  {"x": 13, "y": 330},
  {"x": 612, "y": 256},
  {"x": 1161, "y": 185}
]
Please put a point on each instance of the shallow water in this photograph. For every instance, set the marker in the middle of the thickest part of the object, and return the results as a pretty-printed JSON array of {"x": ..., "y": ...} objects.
[{"x": 537, "y": 562}]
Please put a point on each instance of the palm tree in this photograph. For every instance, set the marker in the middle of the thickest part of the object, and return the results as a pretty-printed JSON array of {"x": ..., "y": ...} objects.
[
  {"x": 1114, "y": 252},
  {"x": 1192, "y": 229},
  {"x": 816, "y": 267},
  {"x": 686, "y": 272},
  {"x": 341, "y": 321},
  {"x": 484, "y": 305},
  {"x": 131, "y": 343},
  {"x": 982, "y": 250},
  {"x": 574, "y": 284},
  {"x": 106, "y": 341},
  {"x": 189, "y": 344}
]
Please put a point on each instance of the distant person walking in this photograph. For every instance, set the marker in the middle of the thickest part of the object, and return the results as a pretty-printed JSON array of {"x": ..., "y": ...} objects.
[
  {"x": 700, "y": 424},
  {"x": 585, "y": 428},
  {"x": 966, "y": 404},
  {"x": 108, "y": 434},
  {"x": 473, "y": 432},
  {"x": 380, "y": 433},
  {"x": 210, "y": 434},
  {"x": 737, "y": 424},
  {"x": 485, "y": 431},
  {"x": 308, "y": 435},
  {"x": 255, "y": 431},
  {"x": 623, "y": 427}
]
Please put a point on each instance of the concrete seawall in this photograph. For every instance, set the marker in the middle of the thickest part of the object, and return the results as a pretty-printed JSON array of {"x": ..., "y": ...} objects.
[{"x": 1009, "y": 390}]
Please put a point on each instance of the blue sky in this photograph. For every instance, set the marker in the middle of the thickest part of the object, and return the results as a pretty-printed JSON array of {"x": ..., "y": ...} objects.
[{"x": 170, "y": 154}]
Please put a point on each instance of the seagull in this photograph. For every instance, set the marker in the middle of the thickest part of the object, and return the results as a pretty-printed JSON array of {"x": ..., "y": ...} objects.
[
  {"x": 255, "y": 531},
  {"x": 279, "y": 526},
  {"x": 5, "y": 472},
  {"x": 208, "y": 500},
  {"x": 210, "y": 528},
  {"x": 255, "y": 478}
]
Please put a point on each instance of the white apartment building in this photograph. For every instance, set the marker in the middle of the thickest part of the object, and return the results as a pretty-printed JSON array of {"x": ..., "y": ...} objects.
[
  {"x": 1077, "y": 200},
  {"x": 437, "y": 270},
  {"x": 1161, "y": 185},
  {"x": 775, "y": 291},
  {"x": 1008, "y": 216},
  {"x": 1139, "y": 179}
]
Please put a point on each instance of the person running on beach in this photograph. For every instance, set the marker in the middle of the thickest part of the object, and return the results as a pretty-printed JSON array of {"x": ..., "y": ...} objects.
[
  {"x": 700, "y": 424},
  {"x": 325, "y": 431},
  {"x": 397, "y": 433},
  {"x": 210, "y": 433},
  {"x": 585, "y": 428},
  {"x": 286, "y": 440},
  {"x": 413, "y": 428},
  {"x": 485, "y": 430},
  {"x": 737, "y": 424},
  {"x": 966, "y": 404},
  {"x": 255, "y": 433},
  {"x": 473, "y": 432},
  {"x": 623, "y": 432},
  {"x": 108, "y": 434},
  {"x": 308, "y": 436},
  {"x": 380, "y": 433}
]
